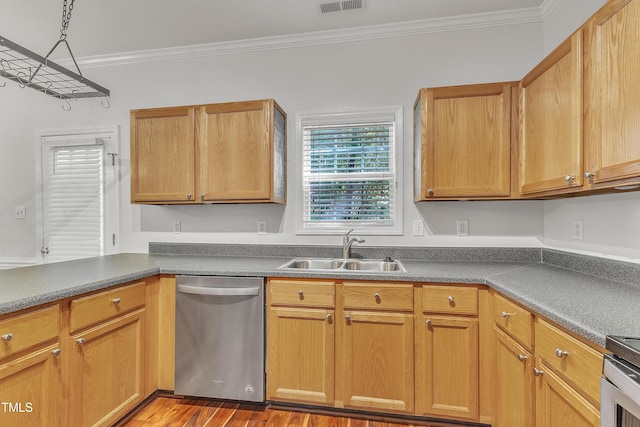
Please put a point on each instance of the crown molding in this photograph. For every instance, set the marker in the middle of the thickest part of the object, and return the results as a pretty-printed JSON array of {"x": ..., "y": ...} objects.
[
  {"x": 547, "y": 8},
  {"x": 372, "y": 32}
]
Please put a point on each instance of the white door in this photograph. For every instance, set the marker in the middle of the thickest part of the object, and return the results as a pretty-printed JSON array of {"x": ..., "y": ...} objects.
[{"x": 78, "y": 199}]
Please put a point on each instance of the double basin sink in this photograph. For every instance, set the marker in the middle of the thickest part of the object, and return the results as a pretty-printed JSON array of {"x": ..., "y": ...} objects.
[{"x": 335, "y": 264}]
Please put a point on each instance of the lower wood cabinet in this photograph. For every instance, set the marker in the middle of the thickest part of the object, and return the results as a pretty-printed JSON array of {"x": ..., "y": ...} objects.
[
  {"x": 514, "y": 383},
  {"x": 557, "y": 403},
  {"x": 31, "y": 389},
  {"x": 106, "y": 370},
  {"x": 300, "y": 364},
  {"x": 376, "y": 361},
  {"x": 300, "y": 341}
]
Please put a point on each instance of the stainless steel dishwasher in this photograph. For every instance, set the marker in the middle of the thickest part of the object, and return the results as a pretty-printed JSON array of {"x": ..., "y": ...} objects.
[{"x": 220, "y": 337}]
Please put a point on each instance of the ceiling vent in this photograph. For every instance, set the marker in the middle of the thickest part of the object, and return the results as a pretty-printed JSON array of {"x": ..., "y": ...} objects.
[{"x": 332, "y": 6}]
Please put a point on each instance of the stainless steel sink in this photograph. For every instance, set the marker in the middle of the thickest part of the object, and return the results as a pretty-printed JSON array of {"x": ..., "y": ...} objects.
[{"x": 345, "y": 265}]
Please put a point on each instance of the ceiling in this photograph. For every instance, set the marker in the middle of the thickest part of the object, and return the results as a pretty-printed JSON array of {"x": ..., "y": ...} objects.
[{"x": 103, "y": 27}]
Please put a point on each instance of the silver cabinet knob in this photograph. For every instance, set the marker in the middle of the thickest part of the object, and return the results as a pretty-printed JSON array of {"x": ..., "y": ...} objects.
[
  {"x": 300, "y": 293},
  {"x": 80, "y": 341},
  {"x": 561, "y": 353},
  {"x": 451, "y": 299},
  {"x": 569, "y": 178},
  {"x": 589, "y": 175},
  {"x": 116, "y": 301},
  {"x": 537, "y": 372},
  {"x": 56, "y": 352},
  {"x": 189, "y": 196},
  {"x": 202, "y": 196},
  {"x": 505, "y": 315},
  {"x": 347, "y": 317},
  {"x": 430, "y": 192},
  {"x": 428, "y": 322},
  {"x": 377, "y": 296},
  {"x": 522, "y": 357},
  {"x": 329, "y": 317},
  {"x": 7, "y": 337}
]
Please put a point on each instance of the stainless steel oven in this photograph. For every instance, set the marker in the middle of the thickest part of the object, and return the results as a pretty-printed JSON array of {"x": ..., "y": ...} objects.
[{"x": 620, "y": 387}]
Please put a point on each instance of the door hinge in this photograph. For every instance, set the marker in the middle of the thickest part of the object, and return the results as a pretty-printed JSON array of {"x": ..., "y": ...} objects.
[{"x": 113, "y": 239}]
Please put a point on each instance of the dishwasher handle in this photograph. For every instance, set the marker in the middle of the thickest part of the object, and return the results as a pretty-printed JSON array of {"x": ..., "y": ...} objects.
[{"x": 231, "y": 292}]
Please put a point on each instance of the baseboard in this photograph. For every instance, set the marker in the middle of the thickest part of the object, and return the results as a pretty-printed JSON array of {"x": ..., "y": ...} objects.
[{"x": 6, "y": 263}]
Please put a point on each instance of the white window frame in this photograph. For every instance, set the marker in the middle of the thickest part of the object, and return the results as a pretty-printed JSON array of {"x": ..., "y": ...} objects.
[
  {"x": 369, "y": 115},
  {"x": 112, "y": 180}
]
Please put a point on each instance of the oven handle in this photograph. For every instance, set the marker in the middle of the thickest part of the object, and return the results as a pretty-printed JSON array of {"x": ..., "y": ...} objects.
[{"x": 225, "y": 292}]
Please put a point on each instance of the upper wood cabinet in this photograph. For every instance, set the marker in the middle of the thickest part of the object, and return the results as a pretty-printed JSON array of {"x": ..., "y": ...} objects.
[
  {"x": 218, "y": 153},
  {"x": 462, "y": 142},
  {"x": 551, "y": 122},
  {"x": 611, "y": 83}
]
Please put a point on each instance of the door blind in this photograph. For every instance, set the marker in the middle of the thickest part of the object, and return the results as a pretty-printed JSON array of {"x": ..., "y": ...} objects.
[{"x": 73, "y": 208}]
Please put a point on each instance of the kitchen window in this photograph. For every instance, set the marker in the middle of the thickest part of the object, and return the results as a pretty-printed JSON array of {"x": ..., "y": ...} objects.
[
  {"x": 350, "y": 179},
  {"x": 78, "y": 206}
]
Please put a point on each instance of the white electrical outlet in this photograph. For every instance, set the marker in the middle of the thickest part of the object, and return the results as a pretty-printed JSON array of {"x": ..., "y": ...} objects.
[
  {"x": 462, "y": 227},
  {"x": 177, "y": 226},
  {"x": 577, "y": 230},
  {"x": 262, "y": 227},
  {"x": 21, "y": 212},
  {"x": 418, "y": 227}
]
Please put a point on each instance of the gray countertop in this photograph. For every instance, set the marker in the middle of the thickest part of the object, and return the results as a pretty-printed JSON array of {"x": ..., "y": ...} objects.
[{"x": 592, "y": 307}]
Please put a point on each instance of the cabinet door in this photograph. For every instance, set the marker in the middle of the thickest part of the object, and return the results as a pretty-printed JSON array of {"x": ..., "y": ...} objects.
[
  {"x": 106, "y": 368},
  {"x": 235, "y": 154},
  {"x": 465, "y": 145},
  {"x": 514, "y": 383},
  {"x": 31, "y": 390},
  {"x": 612, "y": 127},
  {"x": 551, "y": 121},
  {"x": 300, "y": 366},
  {"x": 376, "y": 351},
  {"x": 163, "y": 155},
  {"x": 447, "y": 367},
  {"x": 558, "y": 404}
]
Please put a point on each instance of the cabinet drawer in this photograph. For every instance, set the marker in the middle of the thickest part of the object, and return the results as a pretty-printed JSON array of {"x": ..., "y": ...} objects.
[
  {"x": 513, "y": 319},
  {"x": 449, "y": 299},
  {"x": 92, "y": 309},
  {"x": 577, "y": 362},
  {"x": 301, "y": 293},
  {"x": 28, "y": 330},
  {"x": 378, "y": 296}
]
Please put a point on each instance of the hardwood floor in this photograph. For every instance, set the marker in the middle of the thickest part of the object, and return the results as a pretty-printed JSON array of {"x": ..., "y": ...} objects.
[{"x": 177, "y": 412}]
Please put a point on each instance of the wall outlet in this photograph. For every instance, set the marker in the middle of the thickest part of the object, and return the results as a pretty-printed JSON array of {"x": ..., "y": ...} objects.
[
  {"x": 577, "y": 229},
  {"x": 418, "y": 227},
  {"x": 177, "y": 226},
  {"x": 262, "y": 227},
  {"x": 21, "y": 212},
  {"x": 462, "y": 227}
]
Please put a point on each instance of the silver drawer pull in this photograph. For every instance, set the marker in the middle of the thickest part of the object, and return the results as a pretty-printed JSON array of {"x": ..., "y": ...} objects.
[
  {"x": 7, "y": 337},
  {"x": 451, "y": 299},
  {"x": 329, "y": 317},
  {"x": 569, "y": 178},
  {"x": 347, "y": 318},
  {"x": 300, "y": 293},
  {"x": 561, "y": 353},
  {"x": 428, "y": 322},
  {"x": 116, "y": 301},
  {"x": 377, "y": 296},
  {"x": 56, "y": 352},
  {"x": 505, "y": 315},
  {"x": 537, "y": 372},
  {"x": 522, "y": 357},
  {"x": 80, "y": 341}
]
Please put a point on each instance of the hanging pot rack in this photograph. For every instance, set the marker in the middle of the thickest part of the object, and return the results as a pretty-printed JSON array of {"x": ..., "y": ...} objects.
[{"x": 29, "y": 69}]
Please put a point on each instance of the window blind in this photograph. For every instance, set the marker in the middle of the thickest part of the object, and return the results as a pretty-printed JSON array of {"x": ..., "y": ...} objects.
[
  {"x": 73, "y": 208},
  {"x": 349, "y": 175}
]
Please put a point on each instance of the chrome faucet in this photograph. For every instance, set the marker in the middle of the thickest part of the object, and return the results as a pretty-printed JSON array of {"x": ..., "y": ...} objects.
[{"x": 347, "y": 242}]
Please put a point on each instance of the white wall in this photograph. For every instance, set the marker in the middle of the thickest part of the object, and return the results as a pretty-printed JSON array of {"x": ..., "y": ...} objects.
[
  {"x": 330, "y": 77},
  {"x": 611, "y": 222}
]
